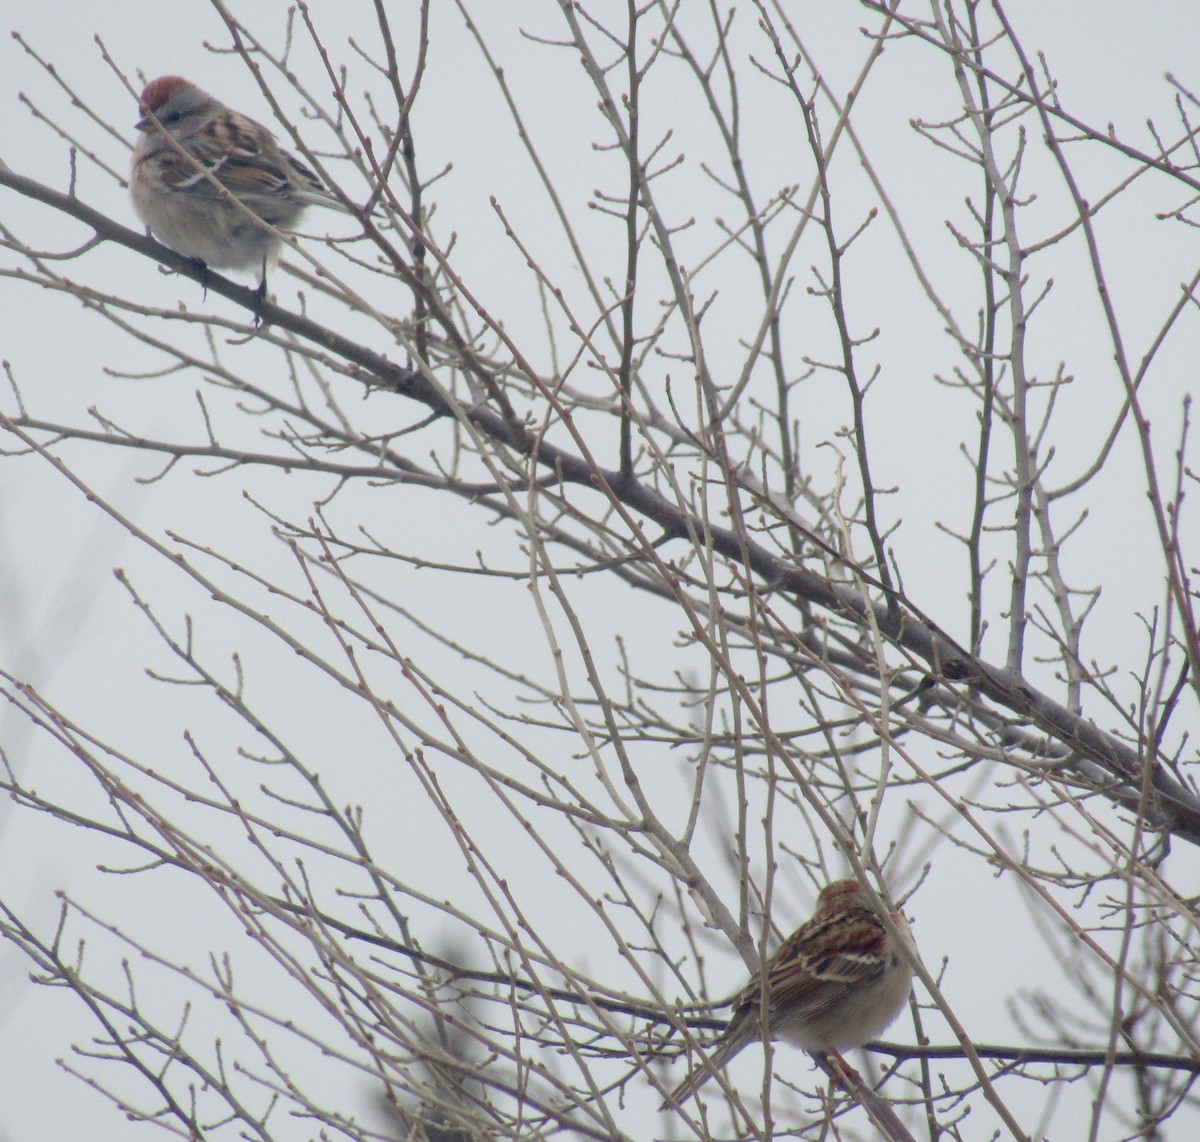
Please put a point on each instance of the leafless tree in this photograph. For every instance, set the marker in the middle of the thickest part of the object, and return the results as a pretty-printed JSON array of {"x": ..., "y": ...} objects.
[{"x": 549, "y": 598}]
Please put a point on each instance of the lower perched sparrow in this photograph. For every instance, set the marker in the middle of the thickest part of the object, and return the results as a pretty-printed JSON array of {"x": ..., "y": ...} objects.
[
  {"x": 175, "y": 198},
  {"x": 836, "y": 982}
]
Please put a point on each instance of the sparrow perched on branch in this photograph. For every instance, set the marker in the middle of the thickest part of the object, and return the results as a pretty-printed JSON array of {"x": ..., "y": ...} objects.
[
  {"x": 188, "y": 140},
  {"x": 836, "y": 982}
]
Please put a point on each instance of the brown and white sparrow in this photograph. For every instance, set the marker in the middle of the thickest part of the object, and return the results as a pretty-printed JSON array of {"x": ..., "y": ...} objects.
[
  {"x": 174, "y": 197},
  {"x": 836, "y": 982}
]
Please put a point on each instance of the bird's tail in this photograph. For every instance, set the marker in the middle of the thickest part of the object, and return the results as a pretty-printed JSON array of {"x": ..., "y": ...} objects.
[{"x": 722, "y": 1051}]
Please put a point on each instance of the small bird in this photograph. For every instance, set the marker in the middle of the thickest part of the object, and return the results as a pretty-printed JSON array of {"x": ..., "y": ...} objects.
[
  {"x": 175, "y": 198},
  {"x": 836, "y": 982}
]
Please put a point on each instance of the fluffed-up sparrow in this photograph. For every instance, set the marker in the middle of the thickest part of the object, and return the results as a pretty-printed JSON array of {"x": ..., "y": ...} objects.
[
  {"x": 834, "y": 983},
  {"x": 175, "y": 197}
]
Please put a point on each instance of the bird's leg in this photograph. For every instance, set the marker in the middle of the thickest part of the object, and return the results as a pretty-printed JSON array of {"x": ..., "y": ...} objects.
[
  {"x": 202, "y": 269},
  {"x": 260, "y": 294},
  {"x": 843, "y": 1073},
  {"x": 840, "y": 1072}
]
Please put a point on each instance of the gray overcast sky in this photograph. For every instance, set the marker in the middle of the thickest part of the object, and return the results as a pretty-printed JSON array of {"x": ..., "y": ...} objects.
[{"x": 67, "y": 623}]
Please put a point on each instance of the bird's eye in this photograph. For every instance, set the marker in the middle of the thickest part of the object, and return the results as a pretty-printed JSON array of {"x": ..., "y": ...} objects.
[{"x": 174, "y": 117}]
